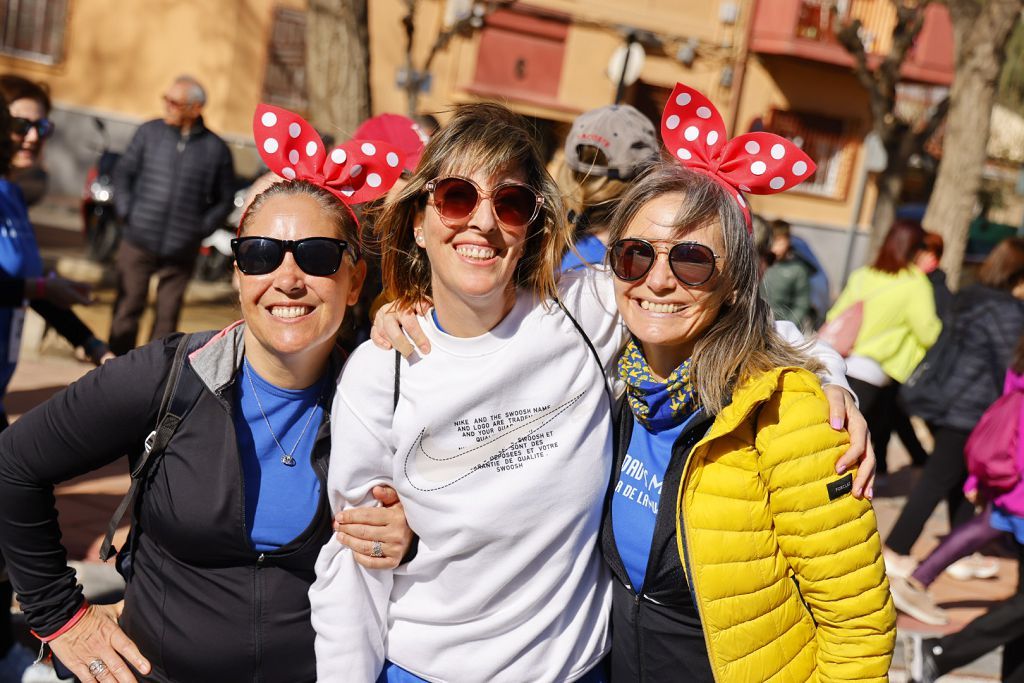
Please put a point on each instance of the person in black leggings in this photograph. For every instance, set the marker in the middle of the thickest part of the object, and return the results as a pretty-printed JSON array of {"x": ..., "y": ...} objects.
[{"x": 987, "y": 320}]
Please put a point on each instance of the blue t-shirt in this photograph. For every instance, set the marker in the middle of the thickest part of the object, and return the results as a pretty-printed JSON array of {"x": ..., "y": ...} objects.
[
  {"x": 19, "y": 257},
  {"x": 280, "y": 500},
  {"x": 591, "y": 249},
  {"x": 393, "y": 673},
  {"x": 1009, "y": 522},
  {"x": 637, "y": 494}
]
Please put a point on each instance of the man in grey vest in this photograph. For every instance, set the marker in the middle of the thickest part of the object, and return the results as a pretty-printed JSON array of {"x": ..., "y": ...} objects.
[{"x": 173, "y": 187}]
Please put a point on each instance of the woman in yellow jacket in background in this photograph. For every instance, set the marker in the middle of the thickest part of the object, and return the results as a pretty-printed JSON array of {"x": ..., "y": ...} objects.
[
  {"x": 759, "y": 565},
  {"x": 898, "y": 326}
]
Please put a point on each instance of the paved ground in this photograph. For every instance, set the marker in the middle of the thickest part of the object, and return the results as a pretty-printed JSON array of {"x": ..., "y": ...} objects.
[{"x": 86, "y": 503}]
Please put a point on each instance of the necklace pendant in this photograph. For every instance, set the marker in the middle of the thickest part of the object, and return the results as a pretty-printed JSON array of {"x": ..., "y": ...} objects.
[{"x": 287, "y": 460}]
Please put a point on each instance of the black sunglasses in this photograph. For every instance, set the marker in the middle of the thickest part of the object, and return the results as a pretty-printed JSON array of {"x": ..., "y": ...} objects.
[
  {"x": 319, "y": 256},
  {"x": 21, "y": 127},
  {"x": 692, "y": 263}
]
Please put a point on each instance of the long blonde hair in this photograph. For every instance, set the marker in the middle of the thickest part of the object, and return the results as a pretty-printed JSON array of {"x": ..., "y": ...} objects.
[
  {"x": 742, "y": 342},
  {"x": 491, "y": 138}
]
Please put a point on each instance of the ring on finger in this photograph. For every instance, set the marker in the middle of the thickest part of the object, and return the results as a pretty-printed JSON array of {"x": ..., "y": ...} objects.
[
  {"x": 97, "y": 668},
  {"x": 377, "y": 550}
]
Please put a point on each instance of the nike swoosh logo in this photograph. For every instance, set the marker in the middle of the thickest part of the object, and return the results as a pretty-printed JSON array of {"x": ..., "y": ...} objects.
[{"x": 444, "y": 469}]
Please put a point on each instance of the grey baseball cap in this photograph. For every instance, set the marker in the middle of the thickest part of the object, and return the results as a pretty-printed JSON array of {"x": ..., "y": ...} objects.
[{"x": 625, "y": 136}]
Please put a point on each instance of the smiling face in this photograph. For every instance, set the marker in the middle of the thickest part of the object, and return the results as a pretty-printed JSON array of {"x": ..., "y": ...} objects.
[
  {"x": 474, "y": 260},
  {"x": 179, "y": 110},
  {"x": 665, "y": 315},
  {"x": 26, "y": 147},
  {"x": 292, "y": 318}
]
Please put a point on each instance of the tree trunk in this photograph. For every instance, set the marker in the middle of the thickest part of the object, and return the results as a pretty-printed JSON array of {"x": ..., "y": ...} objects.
[
  {"x": 889, "y": 185},
  {"x": 980, "y": 30},
  {"x": 338, "y": 65}
]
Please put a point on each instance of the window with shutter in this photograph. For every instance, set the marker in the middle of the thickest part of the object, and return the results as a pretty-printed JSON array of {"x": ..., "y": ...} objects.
[
  {"x": 284, "y": 82},
  {"x": 33, "y": 29}
]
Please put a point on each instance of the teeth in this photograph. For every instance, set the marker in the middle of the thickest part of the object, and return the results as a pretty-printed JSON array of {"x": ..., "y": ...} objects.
[
  {"x": 290, "y": 311},
  {"x": 660, "y": 308},
  {"x": 470, "y": 251}
]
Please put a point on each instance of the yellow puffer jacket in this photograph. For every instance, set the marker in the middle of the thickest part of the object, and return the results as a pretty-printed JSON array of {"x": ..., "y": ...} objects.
[{"x": 788, "y": 574}]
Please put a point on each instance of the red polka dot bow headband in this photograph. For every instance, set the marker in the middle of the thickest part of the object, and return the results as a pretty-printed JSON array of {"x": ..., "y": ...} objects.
[
  {"x": 355, "y": 171},
  {"x": 759, "y": 163}
]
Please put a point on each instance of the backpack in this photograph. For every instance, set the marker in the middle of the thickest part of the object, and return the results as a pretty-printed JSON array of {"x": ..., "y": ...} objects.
[
  {"x": 181, "y": 393},
  {"x": 841, "y": 332},
  {"x": 924, "y": 393},
  {"x": 991, "y": 450}
]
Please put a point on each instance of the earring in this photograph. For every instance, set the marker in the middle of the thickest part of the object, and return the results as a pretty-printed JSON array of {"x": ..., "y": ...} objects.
[{"x": 418, "y": 233}]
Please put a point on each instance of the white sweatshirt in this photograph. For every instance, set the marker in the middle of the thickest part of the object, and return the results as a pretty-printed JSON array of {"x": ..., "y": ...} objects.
[{"x": 500, "y": 449}]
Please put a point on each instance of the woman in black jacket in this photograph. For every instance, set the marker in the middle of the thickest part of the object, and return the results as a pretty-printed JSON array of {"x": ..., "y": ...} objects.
[
  {"x": 988, "y": 318},
  {"x": 233, "y": 512}
]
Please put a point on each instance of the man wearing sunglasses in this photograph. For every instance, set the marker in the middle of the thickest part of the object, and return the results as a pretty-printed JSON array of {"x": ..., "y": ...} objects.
[{"x": 173, "y": 187}]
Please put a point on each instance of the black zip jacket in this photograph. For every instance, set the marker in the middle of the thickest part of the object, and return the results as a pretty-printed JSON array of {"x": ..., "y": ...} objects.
[
  {"x": 173, "y": 190},
  {"x": 987, "y": 324},
  {"x": 656, "y": 634},
  {"x": 202, "y": 604}
]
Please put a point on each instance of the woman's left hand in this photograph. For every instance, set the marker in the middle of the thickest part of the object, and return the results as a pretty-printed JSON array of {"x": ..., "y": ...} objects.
[
  {"x": 843, "y": 413},
  {"x": 361, "y": 528}
]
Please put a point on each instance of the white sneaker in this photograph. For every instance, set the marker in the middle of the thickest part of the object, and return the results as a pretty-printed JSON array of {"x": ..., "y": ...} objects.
[
  {"x": 40, "y": 673},
  {"x": 975, "y": 566},
  {"x": 901, "y": 566},
  {"x": 916, "y": 603}
]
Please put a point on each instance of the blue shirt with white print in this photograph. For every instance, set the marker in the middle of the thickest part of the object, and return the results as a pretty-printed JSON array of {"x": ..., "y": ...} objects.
[{"x": 638, "y": 494}]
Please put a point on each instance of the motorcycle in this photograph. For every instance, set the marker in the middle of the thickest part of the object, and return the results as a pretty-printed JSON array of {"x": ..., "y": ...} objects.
[
  {"x": 100, "y": 225},
  {"x": 215, "y": 258}
]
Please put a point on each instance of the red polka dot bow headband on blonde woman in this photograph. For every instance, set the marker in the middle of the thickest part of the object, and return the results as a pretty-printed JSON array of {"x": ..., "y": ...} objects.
[
  {"x": 758, "y": 163},
  {"x": 355, "y": 171}
]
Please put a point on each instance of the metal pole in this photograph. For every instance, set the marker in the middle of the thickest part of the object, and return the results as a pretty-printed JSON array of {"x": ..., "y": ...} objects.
[{"x": 620, "y": 90}]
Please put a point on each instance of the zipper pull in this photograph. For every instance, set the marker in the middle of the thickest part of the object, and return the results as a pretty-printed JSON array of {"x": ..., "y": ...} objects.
[{"x": 259, "y": 560}]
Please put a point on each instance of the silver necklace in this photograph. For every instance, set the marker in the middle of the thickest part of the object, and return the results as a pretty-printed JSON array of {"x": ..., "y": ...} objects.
[{"x": 287, "y": 458}]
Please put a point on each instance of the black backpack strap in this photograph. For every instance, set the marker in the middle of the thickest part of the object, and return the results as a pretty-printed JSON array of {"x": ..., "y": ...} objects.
[
  {"x": 180, "y": 394},
  {"x": 398, "y": 379},
  {"x": 593, "y": 352}
]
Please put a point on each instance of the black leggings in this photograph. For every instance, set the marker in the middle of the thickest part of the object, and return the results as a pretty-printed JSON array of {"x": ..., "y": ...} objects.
[
  {"x": 883, "y": 413},
  {"x": 943, "y": 477},
  {"x": 1001, "y": 625},
  {"x": 6, "y": 592}
]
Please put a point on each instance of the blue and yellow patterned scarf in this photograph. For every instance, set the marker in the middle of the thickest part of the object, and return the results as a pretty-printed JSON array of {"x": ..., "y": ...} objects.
[{"x": 656, "y": 405}]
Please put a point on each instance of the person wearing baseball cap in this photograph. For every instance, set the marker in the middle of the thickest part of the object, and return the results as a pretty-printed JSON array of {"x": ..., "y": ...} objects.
[{"x": 605, "y": 150}]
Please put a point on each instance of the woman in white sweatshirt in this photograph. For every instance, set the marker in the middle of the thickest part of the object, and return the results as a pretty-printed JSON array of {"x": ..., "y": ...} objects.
[{"x": 499, "y": 441}]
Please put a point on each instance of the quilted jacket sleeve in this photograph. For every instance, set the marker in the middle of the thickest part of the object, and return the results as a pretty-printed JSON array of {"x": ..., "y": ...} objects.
[{"x": 829, "y": 538}]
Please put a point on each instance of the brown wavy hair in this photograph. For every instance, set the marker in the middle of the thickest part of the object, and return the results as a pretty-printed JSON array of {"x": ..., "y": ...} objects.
[
  {"x": 904, "y": 239},
  {"x": 1003, "y": 268},
  {"x": 485, "y": 137}
]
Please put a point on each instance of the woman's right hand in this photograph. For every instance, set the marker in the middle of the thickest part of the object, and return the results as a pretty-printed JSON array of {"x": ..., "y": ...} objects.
[
  {"x": 392, "y": 324},
  {"x": 97, "y": 636}
]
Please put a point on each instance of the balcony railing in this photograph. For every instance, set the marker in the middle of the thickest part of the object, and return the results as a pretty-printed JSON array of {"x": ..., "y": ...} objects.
[
  {"x": 807, "y": 29},
  {"x": 820, "y": 20}
]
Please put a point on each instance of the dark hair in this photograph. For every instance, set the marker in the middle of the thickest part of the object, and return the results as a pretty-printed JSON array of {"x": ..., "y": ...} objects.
[
  {"x": 17, "y": 88},
  {"x": 6, "y": 145},
  {"x": 341, "y": 215},
  {"x": 490, "y": 138},
  {"x": 1003, "y": 268},
  {"x": 780, "y": 228},
  {"x": 933, "y": 244},
  {"x": 902, "y": 242},
  {"x": 1017, "y": 364}
]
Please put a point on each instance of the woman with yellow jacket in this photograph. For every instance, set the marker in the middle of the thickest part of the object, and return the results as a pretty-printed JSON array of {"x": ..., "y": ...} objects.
[
  {"x": 898, "y": 326},
  {"x": 738, "y": 554}
]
